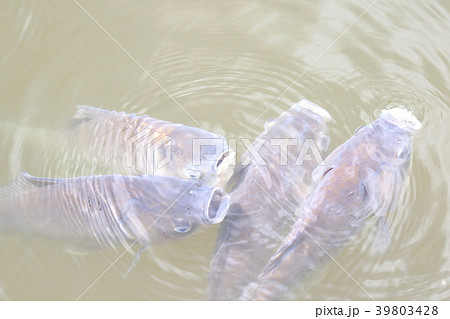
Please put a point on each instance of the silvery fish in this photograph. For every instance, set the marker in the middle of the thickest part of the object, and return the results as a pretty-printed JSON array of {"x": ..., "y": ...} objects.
[
  {"x": 362, "y": 177},
  {"x": 95, "y": 212},
  {"x": 287, "y": 152},
  {"x": 137, "y": 145}
]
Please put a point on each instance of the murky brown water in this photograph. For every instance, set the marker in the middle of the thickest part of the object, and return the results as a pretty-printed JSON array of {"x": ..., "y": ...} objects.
[{"x": 225, "y": 63}]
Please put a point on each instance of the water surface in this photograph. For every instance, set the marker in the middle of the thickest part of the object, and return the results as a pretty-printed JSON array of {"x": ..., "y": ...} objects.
[{"x": 226, "y": 63}]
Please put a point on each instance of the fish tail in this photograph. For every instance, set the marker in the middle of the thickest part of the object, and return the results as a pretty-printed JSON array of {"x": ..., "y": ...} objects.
[{"x": 6, "y": 194}]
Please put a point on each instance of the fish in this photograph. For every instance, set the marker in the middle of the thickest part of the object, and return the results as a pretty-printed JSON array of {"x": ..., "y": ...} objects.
[
  {"x": 137, "y": 145},
  {"x": 105, "y": 211},
  {"x": 361, "y": 178},
  {"x": 255, "y": 224}
]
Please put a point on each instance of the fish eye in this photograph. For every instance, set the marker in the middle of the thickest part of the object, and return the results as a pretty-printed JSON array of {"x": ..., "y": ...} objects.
[
  {"x": 192, "y": 173},
  {"x": 182, "y": 229}
]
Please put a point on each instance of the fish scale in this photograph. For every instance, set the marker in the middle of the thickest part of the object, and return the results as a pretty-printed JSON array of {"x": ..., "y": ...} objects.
[
  {"x": 135, "y": 144},
  {"x": 367, "y": 166},
  {"x": 94, "y": 212},
  {"x": 256, "y": 224}
]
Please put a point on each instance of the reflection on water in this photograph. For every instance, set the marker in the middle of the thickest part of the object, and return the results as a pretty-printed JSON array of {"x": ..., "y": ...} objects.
[{"x": 226, "y": 64}]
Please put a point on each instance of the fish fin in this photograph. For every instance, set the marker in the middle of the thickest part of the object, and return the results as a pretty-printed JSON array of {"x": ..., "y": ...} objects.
[
  {"x": 362, "y": 190},
  {"x": 249, "y": 291},
  {"x": 286, "y": 249},
  {"x": 26, "y": 179},
  {"x": 136, "y": 260},
  {"x": 80, "y": 250},
  {"x": 382, "y": 236},
  {"x": 24, "y": 182},
  {"x": 84, "y": 113},
  {"x": 283, "y": 255}
]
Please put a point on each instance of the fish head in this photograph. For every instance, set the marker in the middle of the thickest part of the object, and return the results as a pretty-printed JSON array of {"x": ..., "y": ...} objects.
[
  {"x": 399, "y": 125},
  {"x": 312, "y": 120},
  {"x": 207, "y": 158},
  {"x": 388, "y": 144},
  {"x": 199, "y": 205},
  {"x": 401, "y": 118},
  {"x": 365, "y": 175},
  {"x": 172, "y": 207}
]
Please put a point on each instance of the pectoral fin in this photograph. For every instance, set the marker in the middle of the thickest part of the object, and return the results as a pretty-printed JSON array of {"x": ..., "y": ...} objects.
[
  {"x": 382, "y": 236},
  {"x": 136, "y": 259},
  {"x": 81, "y": 250}
]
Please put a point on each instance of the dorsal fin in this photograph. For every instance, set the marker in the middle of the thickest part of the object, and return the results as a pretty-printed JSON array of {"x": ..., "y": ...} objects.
[
  {"x": 24, "y": 182},
  {"x": 84, "y": 113},
  {"x": 28, "y": 180}
]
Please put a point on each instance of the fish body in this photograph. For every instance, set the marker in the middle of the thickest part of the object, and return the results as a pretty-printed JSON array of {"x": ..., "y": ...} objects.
[
  {"x": 362, "y": 177},
  {"x": 256, "y": 224},
  {"x": 138, "y": 145},
  {"x": 96, "y": 212}
]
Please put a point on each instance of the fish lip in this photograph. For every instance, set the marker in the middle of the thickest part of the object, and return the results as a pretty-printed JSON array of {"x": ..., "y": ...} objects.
[
  {"x": 216, "y": 206},
  {"x": 222, "y": 172},
  {"x": 227, "y": 155},
  {"x": 402, "y": 118},
  {"x": 308, "y": 105}
]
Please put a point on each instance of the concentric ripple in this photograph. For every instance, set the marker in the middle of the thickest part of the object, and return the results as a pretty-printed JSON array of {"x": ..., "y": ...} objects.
[{"x": 228, "y": 65}]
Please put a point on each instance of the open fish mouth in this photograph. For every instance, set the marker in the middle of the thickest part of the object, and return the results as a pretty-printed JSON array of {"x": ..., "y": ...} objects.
[
  {"x": 402, "y": 118},
  {"x": 308, "y": 105},
  {"x": 223, "y": 163},
  {"x": 217, "y": 206}
]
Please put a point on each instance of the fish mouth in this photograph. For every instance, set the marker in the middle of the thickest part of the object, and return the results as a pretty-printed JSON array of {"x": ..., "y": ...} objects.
[
  {"x": 223, "y": 168},
  {"x": 308, "y": 105},
  {"x": 402, "y": 118},
  {"x": 224, "y": 161},
  {"x": 217, "y": 206}
]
